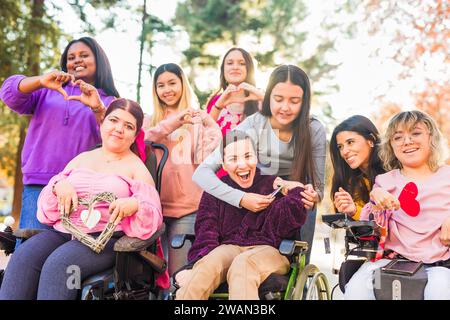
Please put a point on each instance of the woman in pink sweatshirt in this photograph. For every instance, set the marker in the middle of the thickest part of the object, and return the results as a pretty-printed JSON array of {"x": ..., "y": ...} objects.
[
  {"x": 418, "y": 225},
  {"x": 190, "y": 135},
  {"x": 39, "y": 268}
]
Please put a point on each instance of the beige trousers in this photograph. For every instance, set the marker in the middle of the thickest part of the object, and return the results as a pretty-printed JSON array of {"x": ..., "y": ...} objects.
[{"x": 244, "y": 268}]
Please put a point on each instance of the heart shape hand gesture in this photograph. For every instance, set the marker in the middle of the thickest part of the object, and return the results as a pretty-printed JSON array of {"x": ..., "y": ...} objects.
[
  {"x": 89, "y": 96},
  {"x": 54, "y": 80},
  {"x": 239, "y": 94}
]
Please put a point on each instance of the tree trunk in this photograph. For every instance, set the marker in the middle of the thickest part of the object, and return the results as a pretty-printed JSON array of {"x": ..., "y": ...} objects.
[
  {"x": 33, "y": 60},
  {"x": 141, "y": 50}
]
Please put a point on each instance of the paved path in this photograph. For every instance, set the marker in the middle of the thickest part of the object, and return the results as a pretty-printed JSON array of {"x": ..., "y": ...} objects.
[
  {"x": 326, "y": 262},
  {"x": 323, "y": 260}
]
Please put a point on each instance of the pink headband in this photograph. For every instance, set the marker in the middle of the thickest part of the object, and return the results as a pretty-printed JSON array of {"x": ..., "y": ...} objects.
[{"x": 141, "y": 144}]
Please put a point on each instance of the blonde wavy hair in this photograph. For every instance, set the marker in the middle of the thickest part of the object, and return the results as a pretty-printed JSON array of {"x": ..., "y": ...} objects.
[
  {"x": 188, "y": 98},
  {"x": 407, "y": 120}
]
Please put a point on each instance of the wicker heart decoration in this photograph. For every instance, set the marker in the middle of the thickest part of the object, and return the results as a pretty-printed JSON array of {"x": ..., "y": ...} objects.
[
  {"x": 90, "y": 217},
  {"x": 97, "y": 245}
]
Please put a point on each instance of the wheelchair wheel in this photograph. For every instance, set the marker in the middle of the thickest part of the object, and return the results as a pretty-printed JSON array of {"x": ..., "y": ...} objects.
[
  {"x": 311, "y": 284},
  {"x": 318, "y": 288}
]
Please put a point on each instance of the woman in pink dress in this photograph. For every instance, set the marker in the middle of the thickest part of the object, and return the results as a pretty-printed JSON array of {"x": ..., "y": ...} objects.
[{"x": 39, "y": 267}]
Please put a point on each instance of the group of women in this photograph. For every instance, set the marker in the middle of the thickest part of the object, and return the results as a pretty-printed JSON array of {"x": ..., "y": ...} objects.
[{"x": 246, "y": 144}]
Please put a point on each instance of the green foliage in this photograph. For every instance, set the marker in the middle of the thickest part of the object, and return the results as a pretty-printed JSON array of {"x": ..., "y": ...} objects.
[
  {"x": 21, "y": 36},
  {"x": 271, "y": 30}
]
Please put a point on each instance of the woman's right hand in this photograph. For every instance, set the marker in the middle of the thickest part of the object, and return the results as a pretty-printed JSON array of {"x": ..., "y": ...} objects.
[
  {"x": 54, "y": 80},
  {"x": 384, "y": 200},
  {"x": 230, "y": 95},
  {"x": 187, "y": 116},
  {"x": 344, "y": 203},
  {"x": 182, "y": 277},
  {"x": 255, "y": 202},
  {"x": 66, "y": 195}
]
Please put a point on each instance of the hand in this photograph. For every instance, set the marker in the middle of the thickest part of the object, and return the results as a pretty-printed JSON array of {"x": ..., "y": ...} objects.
[
  {"x": 255, "y": 202},
  {"x": 121, "y": 208},
  {"x": 188, "y": 116},
  {"x": 66, "y": 195},
  {"x": 253, "y": 92},
  {"x": 89, "y": 96},
  {"x": 384, "y": 200},
  {"x": 445, "y": 233},
  {"x": 344, "y": 203},
  {"x": 54, "y": 80},
  {"x": 310, "y": 196},
  {"x": 182, "y": 277},
  {"x": 236, "y": 94},
  {"x": 286, "y": 184}
]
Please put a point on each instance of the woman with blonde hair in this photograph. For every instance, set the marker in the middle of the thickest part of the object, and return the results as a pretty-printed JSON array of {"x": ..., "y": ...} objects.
[
  {"x": 190, "y": 135},
  {"x": 411, "y": 201}
]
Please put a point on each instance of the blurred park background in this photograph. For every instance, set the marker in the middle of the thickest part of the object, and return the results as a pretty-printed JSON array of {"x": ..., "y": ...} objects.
[{"x": 369, "y": 57}]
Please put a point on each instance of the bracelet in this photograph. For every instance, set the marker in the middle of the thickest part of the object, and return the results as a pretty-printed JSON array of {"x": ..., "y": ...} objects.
[
  {"x": 97, "y": 109},
  {"x": 215, "y": 106}
]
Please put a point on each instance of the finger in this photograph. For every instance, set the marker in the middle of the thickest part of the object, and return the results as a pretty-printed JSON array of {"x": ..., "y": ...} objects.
[
  {"x": 79, "y": 82},
  {"x": 112, "y": 206},
  {"x": 63, "y": 92},
  {"x": 114, "y": 214},
  {"x": 67, "y": 202},
  {"x": 75, "y": 201},
  {"x": 306, "y": 196},
  {"x": 119, "y": 218},
  {"x": 73, "y": 98}
]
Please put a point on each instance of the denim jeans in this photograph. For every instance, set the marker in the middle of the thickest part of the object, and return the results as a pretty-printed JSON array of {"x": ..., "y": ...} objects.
[
  {"x": 28, "y": 213},
  {"x": 177, "y": 258},
  {"x": 51, "y": 266}
]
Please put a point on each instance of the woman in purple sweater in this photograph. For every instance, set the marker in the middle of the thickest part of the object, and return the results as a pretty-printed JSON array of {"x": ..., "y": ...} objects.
[
  {"x": 235, "y": 244},
  {"x": 66, "y": 107}
]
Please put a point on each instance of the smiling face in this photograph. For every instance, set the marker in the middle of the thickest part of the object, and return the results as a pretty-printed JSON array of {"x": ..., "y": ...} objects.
[
  {"x": 81, "y": 62},
  {"x": 240, "y": 160},
  {"x": 118, "y": 130},
  {"x": 169, "y": 88},
  {"x": 285, "y": 104},
  {"x": 235, "y": 69},
  {"x": 354, "y": 149},
  {"x": 412, "y": 146}
]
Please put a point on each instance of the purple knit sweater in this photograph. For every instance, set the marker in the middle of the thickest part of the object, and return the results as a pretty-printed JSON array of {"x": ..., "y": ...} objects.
[{"x": 219, "y": 223}]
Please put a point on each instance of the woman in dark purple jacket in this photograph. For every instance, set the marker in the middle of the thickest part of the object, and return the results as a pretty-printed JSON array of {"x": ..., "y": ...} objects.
[{"x": 237, "y": 245}]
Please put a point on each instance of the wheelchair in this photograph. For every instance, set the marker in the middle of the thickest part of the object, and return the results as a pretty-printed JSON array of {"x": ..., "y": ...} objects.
[
  {"x": 133, "y": 277},
  {"x": 362, "y": 244},
  {"x": 302, "y": 282}
]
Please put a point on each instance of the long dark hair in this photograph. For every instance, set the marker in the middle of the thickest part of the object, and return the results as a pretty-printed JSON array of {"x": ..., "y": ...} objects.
[
  {"x": 103, "y": 75},
  {"x": 352, "y": 179},
  {"x": 302, "y": 164},
  {"x": 132, "y": 107},
  {"x": 250, "y": 107}
]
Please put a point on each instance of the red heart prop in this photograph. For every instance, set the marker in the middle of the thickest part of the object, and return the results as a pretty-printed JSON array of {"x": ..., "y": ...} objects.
[{"x": 408, "y": 201}]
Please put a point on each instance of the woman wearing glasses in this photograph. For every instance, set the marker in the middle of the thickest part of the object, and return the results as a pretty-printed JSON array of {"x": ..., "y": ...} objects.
[{"x": 418, "y": 226}]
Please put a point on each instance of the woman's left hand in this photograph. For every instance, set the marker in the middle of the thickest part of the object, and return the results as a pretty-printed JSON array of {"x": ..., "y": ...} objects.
[
  {"x": 89, "y": 96},
  {"x": 310, "y": 196},
  {"x": 121, "y": 208},
  {"x": 253, "y": 92},
  {"x": 445, "y": 233}
]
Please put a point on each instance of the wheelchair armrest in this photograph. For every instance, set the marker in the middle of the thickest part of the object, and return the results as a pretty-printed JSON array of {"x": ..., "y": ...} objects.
[
  {"x": 26, "y": 233},
  {"x": 178, "y": 240},
  {"x": 290, "y": 247},
  {"x": 129, "y": 244}
]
